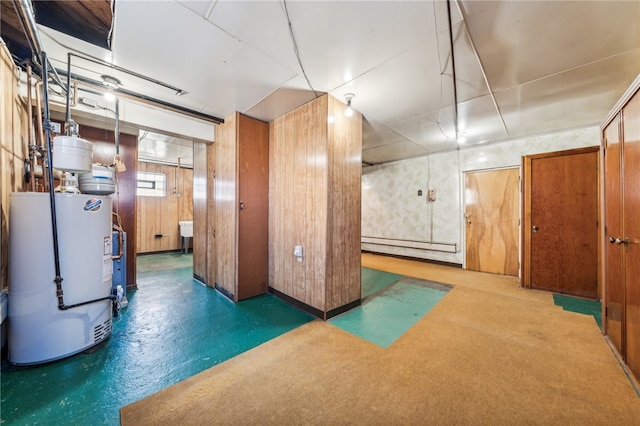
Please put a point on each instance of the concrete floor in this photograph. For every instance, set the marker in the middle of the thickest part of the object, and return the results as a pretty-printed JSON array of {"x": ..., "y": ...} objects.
[{"x": 173, "y": 328}]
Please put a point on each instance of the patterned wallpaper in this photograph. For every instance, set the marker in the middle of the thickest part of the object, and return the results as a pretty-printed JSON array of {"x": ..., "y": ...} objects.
[{"x": 391, "y": 207}]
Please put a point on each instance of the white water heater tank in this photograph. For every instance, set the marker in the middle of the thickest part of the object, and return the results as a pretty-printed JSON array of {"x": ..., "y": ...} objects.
[{"x": 39, "y": 331}]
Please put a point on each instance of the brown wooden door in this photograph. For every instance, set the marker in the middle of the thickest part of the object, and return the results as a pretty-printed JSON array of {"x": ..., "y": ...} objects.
[
  {"x": 561, "y": 222},
  {"x": 253, "y": 214},
  {"x": 614, "y": 297},
  {"x": 491, "y": 218},
  {"x": 631, "y": 230}
]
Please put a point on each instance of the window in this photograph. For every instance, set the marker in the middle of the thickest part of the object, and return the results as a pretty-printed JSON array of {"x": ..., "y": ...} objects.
[{"x": 151, "y": 184}]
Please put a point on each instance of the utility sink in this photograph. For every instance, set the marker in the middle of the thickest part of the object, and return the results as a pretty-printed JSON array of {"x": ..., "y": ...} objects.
[{"x": 186, "y": 232}]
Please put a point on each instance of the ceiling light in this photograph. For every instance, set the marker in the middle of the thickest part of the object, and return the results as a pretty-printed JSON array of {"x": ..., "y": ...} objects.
[
  {"x": 109, "y": 96},
  {"x": 111, "y": 83},
  {"x": 349, "y": 111}
]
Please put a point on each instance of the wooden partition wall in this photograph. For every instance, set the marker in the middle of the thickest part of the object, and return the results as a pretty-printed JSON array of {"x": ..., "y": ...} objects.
[
  {"x": 158, "y": 217},
  {"x": 314, "y": 201},
  {"x": 13, "y": 149}
]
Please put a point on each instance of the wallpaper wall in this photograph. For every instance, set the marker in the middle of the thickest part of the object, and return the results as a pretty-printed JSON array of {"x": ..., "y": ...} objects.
[{"x": 391, "y": 207}]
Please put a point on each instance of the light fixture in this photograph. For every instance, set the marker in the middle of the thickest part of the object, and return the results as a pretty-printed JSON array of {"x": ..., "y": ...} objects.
[
  {"x": 461, "y": 137},
  {"x": 349, "y": 111},
  {"x": 111, "y": 83},
  {"x": 109, "y": 96}
]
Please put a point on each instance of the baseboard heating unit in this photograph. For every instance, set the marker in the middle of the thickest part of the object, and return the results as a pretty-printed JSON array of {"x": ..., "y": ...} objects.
[{"x": 420, "y": 245}]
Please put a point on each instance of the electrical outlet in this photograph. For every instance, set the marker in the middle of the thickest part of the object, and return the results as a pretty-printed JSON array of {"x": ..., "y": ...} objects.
[{"x": 431, "y": 195}]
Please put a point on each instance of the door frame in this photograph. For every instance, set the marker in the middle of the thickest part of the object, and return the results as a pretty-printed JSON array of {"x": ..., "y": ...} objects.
[
  {"x": 526, "y": 211},
  {"x": 464, "y": 203}
]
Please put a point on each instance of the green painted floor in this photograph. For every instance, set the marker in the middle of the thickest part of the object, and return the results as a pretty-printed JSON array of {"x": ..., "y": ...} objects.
[
  {"x": 163, "y": 261},
  {"x": 173, "y": 328},
  {"x": 372, "y": 281},
  {"x": 391, "y": 308},
  {"x": 581, "y": 306}
]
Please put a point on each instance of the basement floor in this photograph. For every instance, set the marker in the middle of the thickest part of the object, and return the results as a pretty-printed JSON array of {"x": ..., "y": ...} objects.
[{"x": 173, "y": 328}]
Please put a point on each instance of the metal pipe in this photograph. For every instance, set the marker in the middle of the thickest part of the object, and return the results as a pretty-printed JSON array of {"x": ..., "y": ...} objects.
[
  {"x": 52, "y": 198},
  {"x": 30, "y": 145},
  {"x": 25, "y": 13},
  {"x": 68, "y": 107},
  {"x": 117, "y": 131},
  {"x": 54, "y": 224},
  {"x": 126, "y": 71},
  {"x": 453, "y": 70},
  {"x": 39, "y": 121},
  {"x": 28, "y": 21},
  {"x": 149, "y": 100}
]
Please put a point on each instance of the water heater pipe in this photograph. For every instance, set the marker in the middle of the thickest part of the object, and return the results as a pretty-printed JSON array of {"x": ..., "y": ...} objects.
[
  {"x": 33, "y": 159},
  {"x": 54, "y": 224}
]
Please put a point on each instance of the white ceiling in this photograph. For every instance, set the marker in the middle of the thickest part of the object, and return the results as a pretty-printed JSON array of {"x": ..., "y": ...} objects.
[{"x": 541, "y": 66}]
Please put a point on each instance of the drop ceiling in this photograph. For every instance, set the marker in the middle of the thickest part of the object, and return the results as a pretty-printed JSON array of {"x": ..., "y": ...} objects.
[{"x": 521, "y": 68}]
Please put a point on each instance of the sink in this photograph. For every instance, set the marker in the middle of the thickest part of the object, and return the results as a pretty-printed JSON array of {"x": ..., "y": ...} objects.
[
  {"x": 186, "y": 232},
  {"x": 186, "y": 228}
]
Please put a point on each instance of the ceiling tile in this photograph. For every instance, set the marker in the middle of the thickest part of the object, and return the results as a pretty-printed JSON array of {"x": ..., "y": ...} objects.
[
  {"x": 520, "y": 41},
  {"x": 339, "y": 41},
  {"x": 580, "y": 97},
  {"x": 469, "y": 78},
  {"x": 281, "y": 101},
  {"x": 216, "y": 69},
  {"x": 392, "y": 152},
  {"x": 435, "y": 131},
  {"x": 405, "y": 86},
  {"x": 201, "y": 7},
  {"x": 376, "y": 134},
  {"x": 479, "y": 122},
  {"x": 260, "y": 24}
]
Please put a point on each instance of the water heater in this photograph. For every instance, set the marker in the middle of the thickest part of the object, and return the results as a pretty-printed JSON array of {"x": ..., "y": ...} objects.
[{"x": 39, "y": 331}]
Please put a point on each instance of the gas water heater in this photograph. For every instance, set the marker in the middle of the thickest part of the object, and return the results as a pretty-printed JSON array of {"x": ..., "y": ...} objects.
[{"x": 40, "y": 330}]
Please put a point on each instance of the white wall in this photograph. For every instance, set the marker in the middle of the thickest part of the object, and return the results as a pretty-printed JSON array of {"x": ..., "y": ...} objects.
[{"x": 392, "y": 209}]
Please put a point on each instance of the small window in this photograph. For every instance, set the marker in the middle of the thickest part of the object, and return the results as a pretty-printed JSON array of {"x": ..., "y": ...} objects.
[{"x": 151, "y": 184}]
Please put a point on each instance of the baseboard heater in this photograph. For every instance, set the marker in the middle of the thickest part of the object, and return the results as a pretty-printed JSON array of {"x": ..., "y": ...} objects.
[{"x": 420, "y": 245}]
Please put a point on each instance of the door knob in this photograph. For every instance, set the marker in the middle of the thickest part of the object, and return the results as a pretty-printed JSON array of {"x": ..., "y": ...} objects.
[
  {"x": 535, "y": 228},
  {"x": 618, "y": 240}
]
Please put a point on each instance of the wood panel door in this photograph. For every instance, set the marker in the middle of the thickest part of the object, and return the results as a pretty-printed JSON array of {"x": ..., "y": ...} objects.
[
  {"x": 631, "y": 230},
  {"x": 253, "y": 214},
  {"x": 561, "y": 222},
  {"x": 491, "y": 218},
  {"x": 614, "y": 290}
]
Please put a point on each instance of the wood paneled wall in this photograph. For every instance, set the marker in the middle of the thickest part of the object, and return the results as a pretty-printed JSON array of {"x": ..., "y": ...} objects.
[
  {"x": 211, "y": 215},
  {"x": 124, "y": 200},
  {"x": 160, "y": 215},
  {"x": 13, "y": 149},
  {"x": 344, "y": 206},
  {"x": 225, "y": 222},
  {"x": 314, "y": 191},
  {"x": 200, "y": 201}
]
